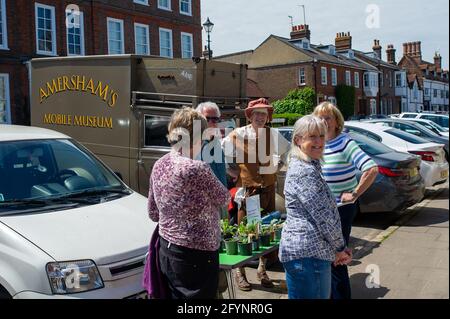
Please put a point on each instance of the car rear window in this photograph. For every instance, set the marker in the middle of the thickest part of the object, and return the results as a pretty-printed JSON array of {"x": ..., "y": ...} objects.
[
  {"x": 406, "y": 136},
  {"x": 409, "y": 116},
  {"x": 287, "y": 134},
  {"x": 369, "y": 146}
]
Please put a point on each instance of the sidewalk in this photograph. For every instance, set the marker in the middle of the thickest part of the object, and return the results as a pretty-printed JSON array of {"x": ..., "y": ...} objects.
[{"x": 413, "y": 262}]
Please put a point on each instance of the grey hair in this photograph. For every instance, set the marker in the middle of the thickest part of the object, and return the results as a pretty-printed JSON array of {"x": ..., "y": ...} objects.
[
  {"x": 306, "y": 126},
  {"x": 208, "y": 105}
]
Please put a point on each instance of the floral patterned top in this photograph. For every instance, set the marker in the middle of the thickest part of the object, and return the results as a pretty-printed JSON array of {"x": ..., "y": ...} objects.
[{"x": 184, "y": 197}]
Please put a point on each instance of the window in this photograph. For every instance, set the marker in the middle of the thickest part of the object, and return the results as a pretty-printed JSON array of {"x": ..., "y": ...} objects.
[
  {"x": 398, "y": 80},
  {"x": 435, "y": 93},
  {"x": 4, "y": 99},
  {"x": 45, "y": 29},
  {"x": 186, "y": 7},
  {"x": 446, "y": 94},
  {"x": 368, "y": 145},
  {"x": 301, "y": 76},
  {"x": 390, "y": 79},
  {"x": 75, "y": 33},
  {"x": 356, "y": 80},
  {"x": 366, "y": 80},
  {"x": 141, "y": 39},
  {"x": 332, "y": 100},
  {"x": 186, "y": 46},
  {"x": 348, "y": 79},
  {"x": 115, "y": 36},
  {"x": 165, "y": 43},
  {"x": 416, "y": 93},
  {"x": 427, "y": 92},
  {"x": 323, "y": 73},
  {"x": 374, "y": 80},
  {"x": 442, "y": 94},
  {"x": 333, "y": 77},
  {"x": 3, "y": 29},
  {"x": 406, "y": 136},
  {"x": 164, "y": 4},
  {"x": 144, "y": 2},
  {"x": 373, "y": 106},
  {"x": 155, "y": 134},
  {"x": 381, "y": 79}
]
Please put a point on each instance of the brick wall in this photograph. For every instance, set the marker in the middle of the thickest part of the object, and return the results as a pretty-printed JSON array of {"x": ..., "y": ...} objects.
[{"x": 22, "y": 36}]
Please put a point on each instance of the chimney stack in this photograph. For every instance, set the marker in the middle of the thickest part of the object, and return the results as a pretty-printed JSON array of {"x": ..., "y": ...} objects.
[
  {"x": 377, "y": 48},
  {"x": 438, "y": 62},
  {"x": 390, "y": 53},
  {"x": 343, "y": 41},
  {"x": 300, "y": 32}
]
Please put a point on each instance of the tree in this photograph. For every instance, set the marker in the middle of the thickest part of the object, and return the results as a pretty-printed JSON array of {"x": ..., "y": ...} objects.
[
  {"x": 345, "y": 98},
  {"x": 298, "y": 101}
]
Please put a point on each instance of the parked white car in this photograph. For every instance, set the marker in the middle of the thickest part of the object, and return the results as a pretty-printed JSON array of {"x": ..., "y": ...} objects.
[
  {"x": 69, "y": 227},
  {"x": 431, "y": 126},
  {"x": 440, "y": 119},
  {"x": 434, "y": 168}
]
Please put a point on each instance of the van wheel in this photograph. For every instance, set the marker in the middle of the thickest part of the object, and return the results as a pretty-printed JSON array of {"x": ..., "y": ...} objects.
[{"x": 4, "y": 293}]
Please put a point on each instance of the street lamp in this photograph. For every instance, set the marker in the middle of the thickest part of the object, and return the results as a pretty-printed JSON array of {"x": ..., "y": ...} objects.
[{"x": 208, "y": 25}]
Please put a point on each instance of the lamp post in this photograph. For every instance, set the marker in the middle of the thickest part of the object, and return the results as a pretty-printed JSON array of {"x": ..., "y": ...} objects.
[{"x": 208, "y": 25}]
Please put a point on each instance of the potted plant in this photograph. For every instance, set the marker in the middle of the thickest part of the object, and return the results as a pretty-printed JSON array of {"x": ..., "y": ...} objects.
[
  {"x": 264, "y": 237},
  {"x": 253, "y": 233},
  {"x": 244, "y": 244},
  {"x": 228, "y": 235}
]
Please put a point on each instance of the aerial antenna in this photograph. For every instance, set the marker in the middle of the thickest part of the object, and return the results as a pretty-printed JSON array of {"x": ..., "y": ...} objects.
[
  {"x": 304, "y": 15},
  {"x": 292, "y": 20}
]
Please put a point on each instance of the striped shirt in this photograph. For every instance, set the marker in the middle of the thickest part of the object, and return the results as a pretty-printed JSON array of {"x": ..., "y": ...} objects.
[{"x": 341, "y": 160}]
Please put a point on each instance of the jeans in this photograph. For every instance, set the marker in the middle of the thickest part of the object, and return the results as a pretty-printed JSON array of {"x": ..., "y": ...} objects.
[
  {"x": 340, "y": 282},
  {"x": 308, "y": 278}
]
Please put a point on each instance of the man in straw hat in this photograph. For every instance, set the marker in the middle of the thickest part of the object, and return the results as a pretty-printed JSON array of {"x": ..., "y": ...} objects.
[{"x": 256, "y": 149}]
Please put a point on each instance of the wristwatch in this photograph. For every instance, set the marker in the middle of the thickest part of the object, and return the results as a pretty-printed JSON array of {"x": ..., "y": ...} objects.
[{"x": 355, "y": 194}]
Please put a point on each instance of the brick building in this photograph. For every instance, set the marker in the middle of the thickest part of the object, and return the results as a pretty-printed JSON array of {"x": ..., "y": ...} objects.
[
  {"x": 387, "y": 100},
  {"x": 431, "y": 77},
  {"x": 170, "y": 28},
  {"x": 279, "y": 65}
]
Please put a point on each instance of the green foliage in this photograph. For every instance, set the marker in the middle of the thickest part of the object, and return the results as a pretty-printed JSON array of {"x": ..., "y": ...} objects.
[
  {"x": 345, "y": 98},
  {"x": 266, "y": 230},
  {"x": 298, "y": 101},
  {"x": 228, "y": 231}
]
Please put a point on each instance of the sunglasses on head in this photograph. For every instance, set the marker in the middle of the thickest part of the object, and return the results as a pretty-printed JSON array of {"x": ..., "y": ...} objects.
[{"x": 213, "y": 119}]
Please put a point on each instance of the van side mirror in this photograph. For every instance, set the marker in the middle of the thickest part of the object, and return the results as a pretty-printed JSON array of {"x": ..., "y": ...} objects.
[{"x": 119, "y": 175}]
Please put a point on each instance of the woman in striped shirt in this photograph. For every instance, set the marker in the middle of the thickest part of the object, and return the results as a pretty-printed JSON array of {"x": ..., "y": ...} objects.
[{"x": 342, "y": 158}]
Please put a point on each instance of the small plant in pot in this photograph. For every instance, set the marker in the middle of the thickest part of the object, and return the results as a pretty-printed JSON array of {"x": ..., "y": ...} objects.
[
  {"x": 245, "y": 243},
  {"x": 228, "y": 235},
  {"x": 264, "y": 237},
  {"x": 253, "y": 233},
  {"x": 277, "y": 228}
]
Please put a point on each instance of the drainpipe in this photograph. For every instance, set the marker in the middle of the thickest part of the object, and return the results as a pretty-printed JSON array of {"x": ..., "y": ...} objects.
[{"x": 315, "y": 80}]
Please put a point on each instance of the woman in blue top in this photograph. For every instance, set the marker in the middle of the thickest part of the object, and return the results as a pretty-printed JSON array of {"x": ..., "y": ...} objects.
[{"x": 312, "y": 238}]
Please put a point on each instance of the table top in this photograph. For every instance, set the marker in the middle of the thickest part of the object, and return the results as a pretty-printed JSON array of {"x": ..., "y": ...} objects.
[{"x": 236, "y": 261}]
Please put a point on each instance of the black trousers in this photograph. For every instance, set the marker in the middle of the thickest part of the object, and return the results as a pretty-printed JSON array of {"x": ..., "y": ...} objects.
[
  {"x": 340, "y": 281},
  {"x": 190, "y": 273}
]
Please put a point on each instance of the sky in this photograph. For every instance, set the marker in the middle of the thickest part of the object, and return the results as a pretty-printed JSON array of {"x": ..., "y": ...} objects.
[{"x": 241, "y": 25}]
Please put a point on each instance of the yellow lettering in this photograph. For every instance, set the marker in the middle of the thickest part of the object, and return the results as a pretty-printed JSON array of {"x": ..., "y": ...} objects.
[
  {"x": 52, "y": 88},
  {"x": 73, "y": 80},
  {"x": 114, "y": 97},
  {"x": 109, "y": 122},
  {"x": 47, "y": 119},
  {"x": 42, "y": 94},
  {"x": 90, "y": 86},
  {"x": 60, "y": 85},
  {"x": 66, "y": 83},
  {"x": 102, "y": 92},
  {"x": 80, "y": 82}
]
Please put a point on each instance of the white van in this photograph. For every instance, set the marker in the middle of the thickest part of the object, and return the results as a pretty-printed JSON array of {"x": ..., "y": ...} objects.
[{"x": 69, "y": 227}]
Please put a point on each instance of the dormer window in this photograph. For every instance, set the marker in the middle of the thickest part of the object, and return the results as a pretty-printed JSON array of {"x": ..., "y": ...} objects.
[
  {"x": 332, "y": 50},
  {"x": 305, "y": 44}
]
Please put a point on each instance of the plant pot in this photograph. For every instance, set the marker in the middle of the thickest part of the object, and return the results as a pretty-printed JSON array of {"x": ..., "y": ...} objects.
[
  {"x": 264, "y": 240},
  {"x": 245, "y": 249},
  {"x": 255, "y": 244},
  {"x": 278, "y": 234},
  {"x": 231, "y": 247},
  {"x": 221, "y": 247}
]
